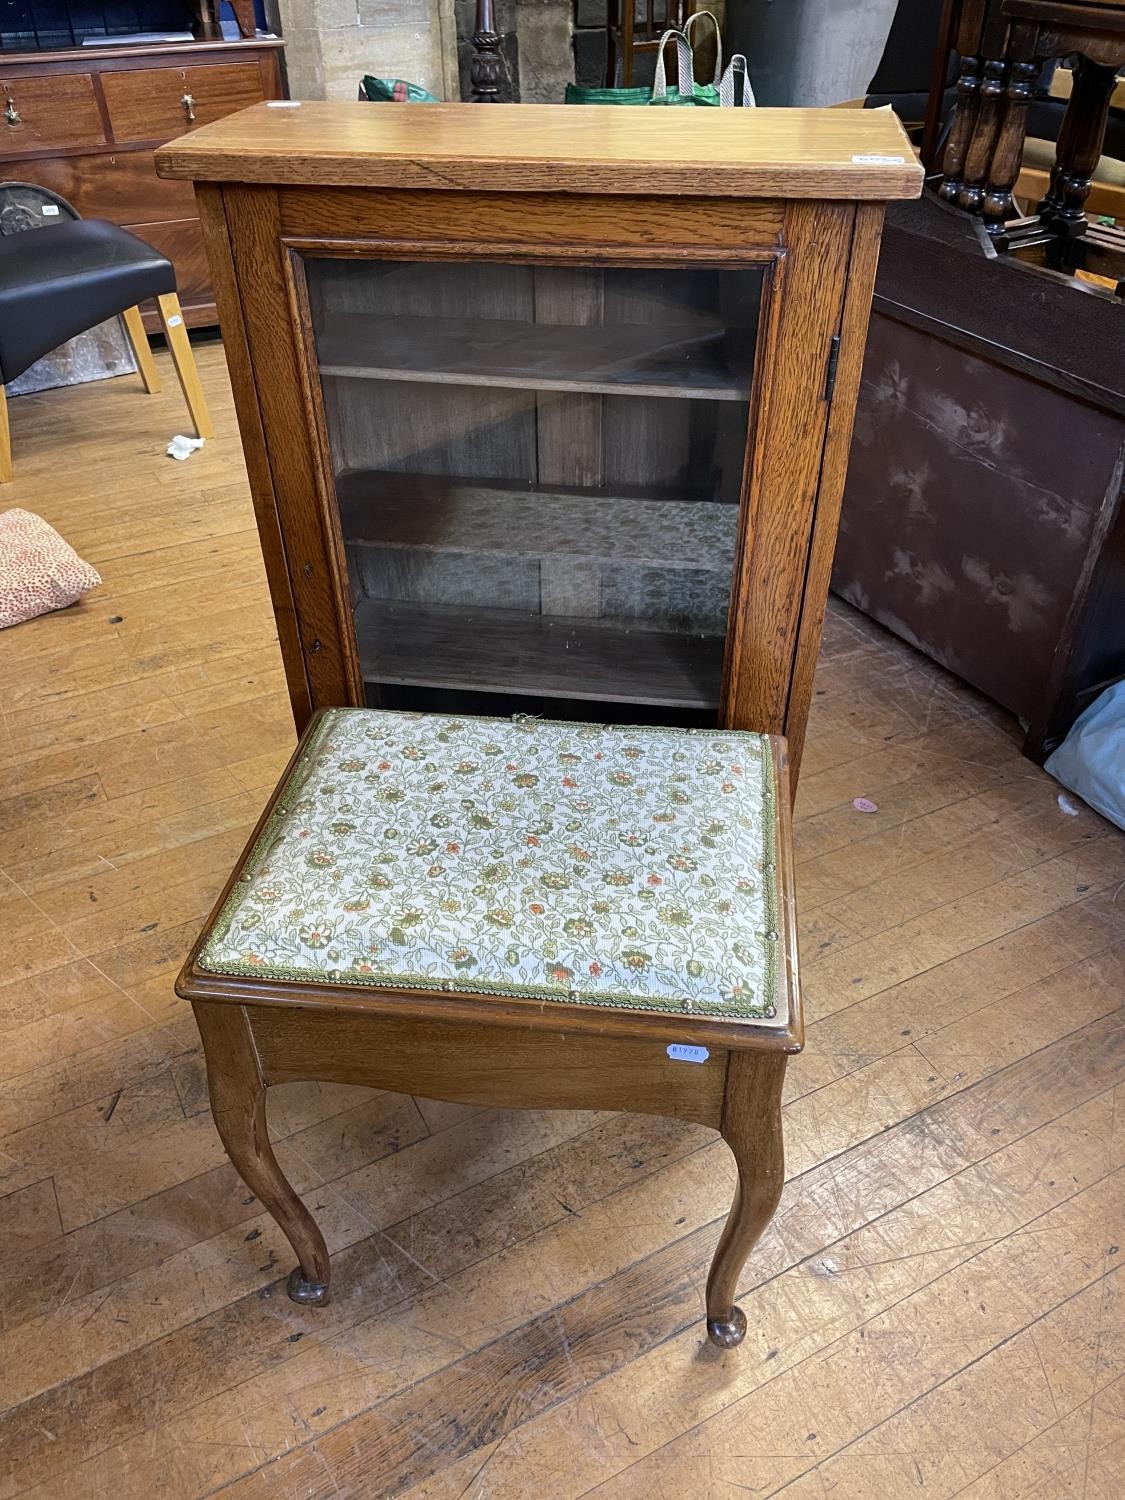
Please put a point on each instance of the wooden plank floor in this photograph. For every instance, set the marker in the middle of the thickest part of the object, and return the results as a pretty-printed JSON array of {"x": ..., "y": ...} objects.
[{"x": 936, "y": 1311}]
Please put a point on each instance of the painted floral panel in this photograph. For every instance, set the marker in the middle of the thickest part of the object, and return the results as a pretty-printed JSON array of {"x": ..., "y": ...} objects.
[{"x": 603, "y": 865}]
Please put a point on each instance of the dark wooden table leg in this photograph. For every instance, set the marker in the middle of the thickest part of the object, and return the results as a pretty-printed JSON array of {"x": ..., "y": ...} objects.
[
  {"x": 238, "y": 1104},
  {"x": 751, "y": 1128},
  {"x": 1078, "y": 148},
  {"x": 1007, "y": 158},
  {"x": 487, "y": 65},
  {"x": 982, "y": 146},
  {"x": 961, "y": 131},
  {"x": 970, "y": 24}
]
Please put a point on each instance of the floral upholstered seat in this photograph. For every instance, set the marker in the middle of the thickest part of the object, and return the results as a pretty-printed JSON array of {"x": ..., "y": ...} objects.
[{"x": 578, "y": 863}]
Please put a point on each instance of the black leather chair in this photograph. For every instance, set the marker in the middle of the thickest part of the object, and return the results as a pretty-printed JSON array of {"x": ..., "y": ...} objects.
[{"x": 58, "y": 282}]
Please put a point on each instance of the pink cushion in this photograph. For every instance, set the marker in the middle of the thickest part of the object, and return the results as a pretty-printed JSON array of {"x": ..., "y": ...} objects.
[{"x": 38, "y": 570}]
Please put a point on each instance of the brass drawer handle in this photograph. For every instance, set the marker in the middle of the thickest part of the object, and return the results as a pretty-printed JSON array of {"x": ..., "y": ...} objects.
[
  {"x": 11, "y": 113},
  {"x": 188, "y": 102}
]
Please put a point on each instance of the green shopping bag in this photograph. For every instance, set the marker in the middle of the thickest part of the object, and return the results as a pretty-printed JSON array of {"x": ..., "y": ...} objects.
[
  {"x": 577, "y": 94},
  {"x": 687, "y": 90},
  {"x": 393, "y": 91}
]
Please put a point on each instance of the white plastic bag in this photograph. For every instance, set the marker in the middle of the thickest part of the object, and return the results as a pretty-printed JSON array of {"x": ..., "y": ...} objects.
[
  {"x": 1091, "y": 760},
  {"x": 183, "y": 447}
]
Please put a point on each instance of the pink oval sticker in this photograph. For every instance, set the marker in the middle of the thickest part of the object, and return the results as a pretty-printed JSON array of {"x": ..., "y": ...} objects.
[{"x": 865, "y": 804}]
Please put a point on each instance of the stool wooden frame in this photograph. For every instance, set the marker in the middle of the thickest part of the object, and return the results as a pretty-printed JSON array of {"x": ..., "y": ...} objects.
[{"x": 508, "y": 1053}]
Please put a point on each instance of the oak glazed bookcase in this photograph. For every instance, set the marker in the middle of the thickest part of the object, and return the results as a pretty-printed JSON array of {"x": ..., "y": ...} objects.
[{"x": 547, "y": 410}]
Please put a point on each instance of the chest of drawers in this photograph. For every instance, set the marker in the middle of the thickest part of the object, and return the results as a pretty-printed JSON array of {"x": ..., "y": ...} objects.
[{"x": 85, "y": 122}]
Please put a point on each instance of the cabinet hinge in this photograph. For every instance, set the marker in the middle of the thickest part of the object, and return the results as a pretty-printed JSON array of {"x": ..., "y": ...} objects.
[{"x": 830, "y": 372}]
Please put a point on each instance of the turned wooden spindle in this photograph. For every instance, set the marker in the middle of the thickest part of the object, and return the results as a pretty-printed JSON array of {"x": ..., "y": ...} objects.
[
  {"x": 487, "y": 65},
  {"x": 1008, "y": 154},
  {"x": 986, "y": 132},
  {"x": 970, "y": 24}
]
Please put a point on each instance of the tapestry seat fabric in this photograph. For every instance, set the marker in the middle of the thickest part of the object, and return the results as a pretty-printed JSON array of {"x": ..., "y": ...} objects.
[{"x": 576, "y": 863}]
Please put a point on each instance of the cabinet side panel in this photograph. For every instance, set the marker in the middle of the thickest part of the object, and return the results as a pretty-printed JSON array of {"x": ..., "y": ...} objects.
[
  {"x": 280, "y": 351},
  {"x": 784, "y": 470},
  {"x": 853, "y": 339},
  {"x": 219, "y": 257}
]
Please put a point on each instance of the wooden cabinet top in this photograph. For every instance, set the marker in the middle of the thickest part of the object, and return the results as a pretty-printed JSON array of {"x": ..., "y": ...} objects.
[
  {"x": 157, "y": 54},
  {"x": 739, "y": 153}
]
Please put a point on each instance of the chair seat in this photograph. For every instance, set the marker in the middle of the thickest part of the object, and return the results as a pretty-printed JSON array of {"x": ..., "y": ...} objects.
[
  {"x": 55, "y": 283},
  {"x": 625, "y": 867}
]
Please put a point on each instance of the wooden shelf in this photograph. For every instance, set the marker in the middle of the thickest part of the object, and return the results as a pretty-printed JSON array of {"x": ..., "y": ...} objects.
[
  {"x": 434, "y": 514},
  {"x": 689, "y": 360},
  {"x": 510, "y": 651}
]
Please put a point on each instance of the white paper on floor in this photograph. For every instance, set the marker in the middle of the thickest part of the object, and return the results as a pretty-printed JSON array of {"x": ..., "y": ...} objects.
[{"x": 183, "y": 447}]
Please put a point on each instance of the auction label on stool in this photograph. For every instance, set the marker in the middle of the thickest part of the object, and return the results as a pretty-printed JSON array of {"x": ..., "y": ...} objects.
[{"x": 681, "y": 1052}]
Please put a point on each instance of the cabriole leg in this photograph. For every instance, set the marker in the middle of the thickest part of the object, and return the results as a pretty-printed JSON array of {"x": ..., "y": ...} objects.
[
  {"x": 751, "y": 1128},
  {"x": 238, "y": 1104}
]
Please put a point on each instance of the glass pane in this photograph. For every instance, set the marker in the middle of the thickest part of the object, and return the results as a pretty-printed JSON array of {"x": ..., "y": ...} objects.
[{"x": 538, "y": 473}]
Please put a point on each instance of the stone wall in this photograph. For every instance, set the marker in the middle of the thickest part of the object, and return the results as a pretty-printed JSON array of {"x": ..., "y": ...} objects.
[
  {"x": 591, "y": 42},
  {"x": 330, "y": 44},
  {"x": 544, "y": 29},
  {"x": 810, "y": 52}
]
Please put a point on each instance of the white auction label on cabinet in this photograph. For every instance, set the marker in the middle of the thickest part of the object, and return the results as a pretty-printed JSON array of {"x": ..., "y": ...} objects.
[
  {"x": 681, "y": 1052},
  {"x": 879, "y": 161}
]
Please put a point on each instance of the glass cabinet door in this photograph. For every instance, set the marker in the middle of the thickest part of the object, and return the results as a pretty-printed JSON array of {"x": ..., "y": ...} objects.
[{"x": 538, "y": 473}]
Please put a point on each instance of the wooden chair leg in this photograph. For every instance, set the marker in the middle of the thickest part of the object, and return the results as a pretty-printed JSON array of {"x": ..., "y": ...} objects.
[
  {"x": 238, "y": 1104},
  {"x": 967, "y": 40},
  {"x": 172, "y": 320},
  {"x": 1008, "y": 155},
  {"x": 5, "y": 439},
  {"x": 142, "y": 350},
  {"x": 1079, "y": 146},
  {"x": 752, "y": 1129},
  {"x": 982, "y": 144}
]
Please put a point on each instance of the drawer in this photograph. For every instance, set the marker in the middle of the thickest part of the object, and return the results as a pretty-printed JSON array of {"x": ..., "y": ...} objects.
[
  {"x": 122, "y": 187},
  {"x": 53, "y": 109},
  {"x": 182, "y": 242},
  {"x": 147, "y": 104}
]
